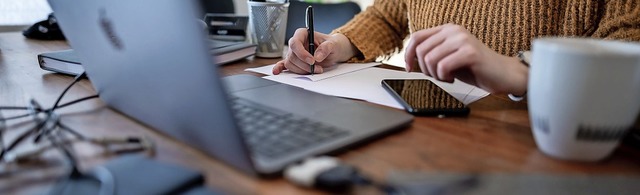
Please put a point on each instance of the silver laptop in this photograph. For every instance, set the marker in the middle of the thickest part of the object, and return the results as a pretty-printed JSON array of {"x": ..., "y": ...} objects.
[{"x": 149, "y": 60}]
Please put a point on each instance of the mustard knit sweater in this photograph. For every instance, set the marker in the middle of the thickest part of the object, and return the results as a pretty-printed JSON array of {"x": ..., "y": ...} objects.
[{"x": 507, "y": 26}]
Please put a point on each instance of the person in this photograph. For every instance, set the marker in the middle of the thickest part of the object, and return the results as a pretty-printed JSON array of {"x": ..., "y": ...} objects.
[{"x": 473, "y": 41}]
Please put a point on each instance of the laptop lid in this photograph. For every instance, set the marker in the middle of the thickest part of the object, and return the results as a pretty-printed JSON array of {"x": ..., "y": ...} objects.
[
  {"x": 148, "y": 60},
  {"x": 126, "y": 46}
]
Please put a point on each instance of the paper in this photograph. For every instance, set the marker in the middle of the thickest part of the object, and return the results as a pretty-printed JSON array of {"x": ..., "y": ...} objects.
[
  {"x": 338, "y": 69},
  {"x": 365, "y": 84}
]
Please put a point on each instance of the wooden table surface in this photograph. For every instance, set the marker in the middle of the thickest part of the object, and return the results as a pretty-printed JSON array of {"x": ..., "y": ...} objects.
[{"x": 494, "y": 138}]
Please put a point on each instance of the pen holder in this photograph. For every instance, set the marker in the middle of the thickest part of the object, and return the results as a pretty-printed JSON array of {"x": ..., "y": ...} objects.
[{"x": 269, "y": 24}]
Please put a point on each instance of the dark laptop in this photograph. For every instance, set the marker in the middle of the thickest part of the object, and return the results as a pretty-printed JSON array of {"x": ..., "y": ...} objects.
[{"x": 148, "y": 59}]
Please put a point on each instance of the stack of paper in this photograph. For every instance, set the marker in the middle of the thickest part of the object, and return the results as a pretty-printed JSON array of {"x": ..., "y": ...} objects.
[{"x": 363, "y": 82}]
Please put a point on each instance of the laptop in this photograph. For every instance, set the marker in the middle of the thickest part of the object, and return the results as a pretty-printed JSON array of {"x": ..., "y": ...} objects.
[{"x": 148, "y": 59}]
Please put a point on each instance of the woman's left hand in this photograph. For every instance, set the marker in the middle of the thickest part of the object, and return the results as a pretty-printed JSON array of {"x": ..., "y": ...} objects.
[{"x": 450, "y": 51}]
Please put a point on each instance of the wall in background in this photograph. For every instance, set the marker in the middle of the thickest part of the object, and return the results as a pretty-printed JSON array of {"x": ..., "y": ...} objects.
[
  {"x": 242, "y": 9},
  {"x": 17, "y": 14}
]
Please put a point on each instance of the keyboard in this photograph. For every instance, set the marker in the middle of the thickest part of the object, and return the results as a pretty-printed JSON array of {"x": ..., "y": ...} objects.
[{"x": 273, "y": 133}]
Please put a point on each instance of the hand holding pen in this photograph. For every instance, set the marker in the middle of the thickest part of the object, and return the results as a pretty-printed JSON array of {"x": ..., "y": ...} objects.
[{"x": 323, "y": 51}]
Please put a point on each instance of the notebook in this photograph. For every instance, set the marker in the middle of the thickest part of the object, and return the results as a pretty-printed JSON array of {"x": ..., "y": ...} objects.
[
  {"x": 67, "y": 62},
  {"x": 64, "y": 62},
  {"x": 253, "y": 124}
]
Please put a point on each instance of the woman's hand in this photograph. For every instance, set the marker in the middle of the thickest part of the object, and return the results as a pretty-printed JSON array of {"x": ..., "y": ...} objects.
[
  {"x": 450, "y": 51},
  {"x": 331, "y": 49}
]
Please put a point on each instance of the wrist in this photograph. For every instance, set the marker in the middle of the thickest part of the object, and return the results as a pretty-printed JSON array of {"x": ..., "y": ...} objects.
[
  {"x": 346, "y": 49},
  {"x": 519, "y": 78}
]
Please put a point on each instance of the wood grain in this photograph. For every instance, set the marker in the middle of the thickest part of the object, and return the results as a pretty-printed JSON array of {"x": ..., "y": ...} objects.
[{"x": 495, "y": 138}]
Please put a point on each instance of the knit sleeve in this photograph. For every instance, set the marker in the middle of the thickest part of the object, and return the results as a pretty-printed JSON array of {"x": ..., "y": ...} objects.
[
  {"x": 621, "y": 20},
  {"x": 377, "y": 31}
]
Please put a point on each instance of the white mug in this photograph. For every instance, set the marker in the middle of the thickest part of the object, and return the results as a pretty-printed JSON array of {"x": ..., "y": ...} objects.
[{"x": 584, "y": 95}]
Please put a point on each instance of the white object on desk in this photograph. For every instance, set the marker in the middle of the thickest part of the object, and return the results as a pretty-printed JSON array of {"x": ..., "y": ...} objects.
[
  {"x": 365, "y": 84},
  {"x": 338, "y": 69}
]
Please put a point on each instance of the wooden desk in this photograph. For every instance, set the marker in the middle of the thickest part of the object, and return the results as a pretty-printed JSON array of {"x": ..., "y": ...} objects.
[{"x": 496, "y": 136}]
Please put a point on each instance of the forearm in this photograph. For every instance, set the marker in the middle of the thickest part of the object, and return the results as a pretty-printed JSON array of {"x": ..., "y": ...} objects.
[{"x": 377, "y": 31}]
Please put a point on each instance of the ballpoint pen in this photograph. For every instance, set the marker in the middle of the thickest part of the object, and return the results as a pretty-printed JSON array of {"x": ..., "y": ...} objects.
[{"x": 312, "y": 46}]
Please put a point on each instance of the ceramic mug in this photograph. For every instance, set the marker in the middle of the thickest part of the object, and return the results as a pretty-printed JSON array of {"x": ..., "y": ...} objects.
[{"x": 584, "y": 95}]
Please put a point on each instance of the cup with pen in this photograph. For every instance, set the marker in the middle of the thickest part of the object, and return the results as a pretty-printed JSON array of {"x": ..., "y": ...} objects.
[{"x": 268, "y": 21}]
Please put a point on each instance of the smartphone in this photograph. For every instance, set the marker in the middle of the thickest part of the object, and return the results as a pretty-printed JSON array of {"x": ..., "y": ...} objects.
[{"x": 423, "y": 97}]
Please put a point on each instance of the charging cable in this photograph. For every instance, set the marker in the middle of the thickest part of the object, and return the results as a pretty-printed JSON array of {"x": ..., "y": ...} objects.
[{"x": 329, "y": 174}]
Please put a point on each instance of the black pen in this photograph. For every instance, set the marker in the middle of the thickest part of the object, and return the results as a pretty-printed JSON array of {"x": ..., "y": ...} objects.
[{"x": 312, "y": 45}]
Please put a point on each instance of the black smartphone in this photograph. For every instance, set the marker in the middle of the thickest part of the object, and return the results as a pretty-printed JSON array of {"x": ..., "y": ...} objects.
[{"x": 423, "y": 97}]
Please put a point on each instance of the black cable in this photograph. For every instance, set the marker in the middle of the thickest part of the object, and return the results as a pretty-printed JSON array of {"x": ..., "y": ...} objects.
[
  {"x": 70, "y": 153},
  {"x": 68, "y": 129},
  {"x": 104, "y": 176},
  {"x": 20, "y": 138},
  {"x": 43, "y": 131},
  {"x": 44, "y": 122},
  {"x": 15, "y": 117},
  {"x": 67, "y": 153},
  {"x": 60, "y": 126},
  {"x": 75, "y": 101},
  {"x": 52, "y": 129},
  {"x": 36, "y": 111},
  {"x": 3, "y": 127},
  {"x": 64, "y": 127},
  {"x": 55, "y": 106},
  {"x": 75, "y": 80},
  {"x": 51, "y": 109},
  {"x": 13, "y": 108}
]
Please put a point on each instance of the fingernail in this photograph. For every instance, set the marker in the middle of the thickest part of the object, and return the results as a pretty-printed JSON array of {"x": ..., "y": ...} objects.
[
  {"x": 310, "y": 61},
  {"x": 319, "y": 55}
]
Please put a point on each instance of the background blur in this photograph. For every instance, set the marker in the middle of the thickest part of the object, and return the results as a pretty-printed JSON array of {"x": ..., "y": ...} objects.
[{"x": 16, "y": 14}]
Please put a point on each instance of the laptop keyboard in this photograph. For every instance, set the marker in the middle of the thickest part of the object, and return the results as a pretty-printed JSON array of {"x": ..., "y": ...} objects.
[{"x": 270, "y": 133}]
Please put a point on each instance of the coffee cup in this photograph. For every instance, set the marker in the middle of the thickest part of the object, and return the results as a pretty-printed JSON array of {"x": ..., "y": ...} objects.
[{"x": 583, "y": 95}]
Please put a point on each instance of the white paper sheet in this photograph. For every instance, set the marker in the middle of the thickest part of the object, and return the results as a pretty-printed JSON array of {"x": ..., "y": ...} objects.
[
  {"x": 365, "y": 84},
  {"x": 338, "y": 69}
]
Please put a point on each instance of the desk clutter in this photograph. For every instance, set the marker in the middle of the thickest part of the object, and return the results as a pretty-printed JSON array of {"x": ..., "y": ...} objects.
[{"x": 135, "y": 174}]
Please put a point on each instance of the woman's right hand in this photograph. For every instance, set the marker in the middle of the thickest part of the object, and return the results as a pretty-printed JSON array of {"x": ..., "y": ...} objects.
[{"x": 331, "y": 49}]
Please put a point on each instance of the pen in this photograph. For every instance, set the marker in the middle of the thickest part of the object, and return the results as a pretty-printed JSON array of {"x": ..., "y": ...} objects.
[{"x": 312, "y": 45}]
